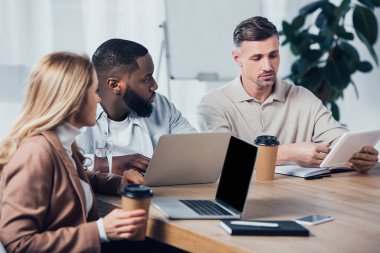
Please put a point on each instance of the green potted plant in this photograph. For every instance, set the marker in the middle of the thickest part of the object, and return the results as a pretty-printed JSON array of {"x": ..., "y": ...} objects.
[{"x": 321, "y": 39}]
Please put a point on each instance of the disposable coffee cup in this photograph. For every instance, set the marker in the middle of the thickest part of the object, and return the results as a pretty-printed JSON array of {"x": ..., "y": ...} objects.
[
  {"x": 266, "y": 160},
  {"x": 137, "y": 196}
]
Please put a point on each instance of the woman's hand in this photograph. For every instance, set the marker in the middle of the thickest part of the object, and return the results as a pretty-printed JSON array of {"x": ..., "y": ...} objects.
[{"x": 120, "y": 224}]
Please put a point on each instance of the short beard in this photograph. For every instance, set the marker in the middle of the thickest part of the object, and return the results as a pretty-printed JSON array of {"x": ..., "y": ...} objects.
[
  {"x": 265, "y": 84},
  {"x": 141, "y": 107}
]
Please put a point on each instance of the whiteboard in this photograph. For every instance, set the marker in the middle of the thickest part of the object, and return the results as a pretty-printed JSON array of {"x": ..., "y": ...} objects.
[{"x": 199, "y": 34}]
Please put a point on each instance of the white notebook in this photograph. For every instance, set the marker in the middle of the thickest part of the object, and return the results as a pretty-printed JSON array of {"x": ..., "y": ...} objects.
[
  {"x": 297, "y": 171},
  {"x": 337, "y": 159}
]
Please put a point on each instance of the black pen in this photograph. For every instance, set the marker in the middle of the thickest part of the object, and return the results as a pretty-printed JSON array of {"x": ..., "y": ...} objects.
[{"x": 317, "y": 177}]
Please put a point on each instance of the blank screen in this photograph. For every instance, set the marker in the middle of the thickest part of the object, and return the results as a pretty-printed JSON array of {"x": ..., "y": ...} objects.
[{"x": 236, "y": 173}]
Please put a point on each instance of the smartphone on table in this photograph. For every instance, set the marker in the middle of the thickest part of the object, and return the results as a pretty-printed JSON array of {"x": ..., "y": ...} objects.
[{"x": 313, "y": 219}]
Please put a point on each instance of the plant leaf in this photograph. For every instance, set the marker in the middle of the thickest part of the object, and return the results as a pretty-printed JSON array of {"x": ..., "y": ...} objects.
[
  {"x": 310, "y": 8},
  {"x": 321, "y": 21},
  {"x": 342, "y": 9},
  {"x": 370, "y": 48},
  {"x": 326, "y": 42},
  {"x": 312, "y": 79},
  {"x": 328, "y": 8},
  {"x": 288, "y": 31},
  {"x": 365, "y": 66},
  {"x": 350, "y": 55},
  {"x": 342, "y": 33},
  {"x": 303, "y": 44},
  {"x": 350, "y": 51},
  {"x": 376, "y": 3},
  {"x": 337, "y": 73},
  {"x": 298, "y": 22},
  {"x": 335, "y": 110},
  {"x": 368, "y": 3},
  {"x": 313, "y": 55},
  {"x": 334, "y": 94},
  {"x": 365, "y": 23},
  {"x": 301, "y": 65},
  {"x": 294, "y": 49}
]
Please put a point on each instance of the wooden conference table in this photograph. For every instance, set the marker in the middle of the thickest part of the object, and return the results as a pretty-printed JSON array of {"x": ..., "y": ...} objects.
[{"x": 353, "y": 199}]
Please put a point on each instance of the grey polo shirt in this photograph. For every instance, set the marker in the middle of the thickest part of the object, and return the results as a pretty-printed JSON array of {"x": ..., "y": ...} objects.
[{"x": 292, "y": 113}]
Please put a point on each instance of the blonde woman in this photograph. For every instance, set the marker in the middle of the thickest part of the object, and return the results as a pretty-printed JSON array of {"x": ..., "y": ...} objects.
[{"x": 47, "y": 204}]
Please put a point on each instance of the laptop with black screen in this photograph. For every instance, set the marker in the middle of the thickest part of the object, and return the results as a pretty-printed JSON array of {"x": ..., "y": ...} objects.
[{"x": 231, "y": 193}]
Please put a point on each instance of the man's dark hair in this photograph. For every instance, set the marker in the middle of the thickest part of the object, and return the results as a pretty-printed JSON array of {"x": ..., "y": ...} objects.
[
  {"x": 254, "y": 29},
  {"x": 115, "y": 55}
]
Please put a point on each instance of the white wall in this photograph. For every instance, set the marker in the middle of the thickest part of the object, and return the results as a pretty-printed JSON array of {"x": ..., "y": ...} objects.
[
  {"x": 31, "y": 29},
  {"x": 81, "y": 25},
  {"x": 12, "y": 86}
]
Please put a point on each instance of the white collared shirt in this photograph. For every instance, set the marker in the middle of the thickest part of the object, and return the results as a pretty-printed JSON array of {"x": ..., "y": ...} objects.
[{"x": 135, "y": 134}]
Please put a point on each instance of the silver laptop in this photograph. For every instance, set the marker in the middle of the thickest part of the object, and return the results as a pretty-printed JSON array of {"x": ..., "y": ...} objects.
[
  {"x": 187, "y": 159},
  {"x": 231, "y": 193}
]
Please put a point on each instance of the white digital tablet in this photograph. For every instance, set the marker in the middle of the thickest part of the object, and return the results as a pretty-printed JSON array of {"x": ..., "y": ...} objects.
[{"x": 348, "y": 144}]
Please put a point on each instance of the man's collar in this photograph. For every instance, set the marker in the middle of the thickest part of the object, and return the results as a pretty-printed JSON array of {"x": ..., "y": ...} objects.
[
  {"x": 99, "y": 111},
  {"x": 278, "y": 92},
  {"x": 239, "y": 94},
  {"x": 133, "y": 117}
]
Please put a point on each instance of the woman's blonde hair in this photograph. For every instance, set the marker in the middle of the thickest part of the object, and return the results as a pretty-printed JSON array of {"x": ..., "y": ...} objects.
[{"x": 56, "y": 89}]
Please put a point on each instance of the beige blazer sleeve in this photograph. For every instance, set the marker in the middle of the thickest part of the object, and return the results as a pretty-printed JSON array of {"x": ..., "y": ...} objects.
[{"x": 40, "y": 211}]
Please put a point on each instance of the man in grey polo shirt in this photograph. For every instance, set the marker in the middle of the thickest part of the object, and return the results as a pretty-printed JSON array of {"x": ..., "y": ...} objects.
[{"x": 257, "y": 103}]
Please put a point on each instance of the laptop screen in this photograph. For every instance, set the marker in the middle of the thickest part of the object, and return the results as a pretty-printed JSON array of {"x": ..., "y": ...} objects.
[{"x": 236, "y": 174}]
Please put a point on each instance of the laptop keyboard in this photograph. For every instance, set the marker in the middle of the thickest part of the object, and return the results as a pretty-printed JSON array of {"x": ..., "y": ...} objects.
[{"x": 205, "y": 207}]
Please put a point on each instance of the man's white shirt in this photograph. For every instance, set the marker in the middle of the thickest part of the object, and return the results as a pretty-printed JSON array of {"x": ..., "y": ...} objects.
[{"x": 135, "y": 134}]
